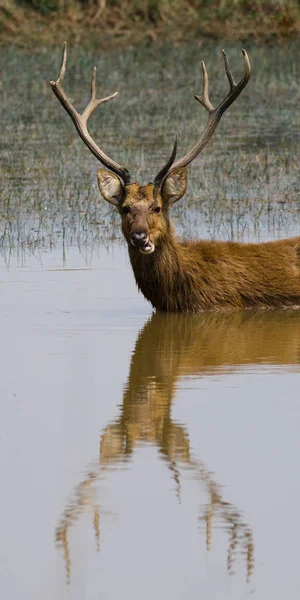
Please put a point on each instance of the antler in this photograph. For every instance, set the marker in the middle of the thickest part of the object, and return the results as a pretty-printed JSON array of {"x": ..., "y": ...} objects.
[
  {"x": 80, "y": 121},
  {"x": 214, "y": 114}
]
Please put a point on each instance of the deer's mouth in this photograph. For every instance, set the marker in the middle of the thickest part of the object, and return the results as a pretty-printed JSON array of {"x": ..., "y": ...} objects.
[
  {"x": 141, "y": 241},
  {"x": 147, "y": 248}
]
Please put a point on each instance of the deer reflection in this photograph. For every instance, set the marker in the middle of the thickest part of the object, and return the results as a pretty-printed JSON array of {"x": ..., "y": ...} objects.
[{"x": 171, "y": 346}]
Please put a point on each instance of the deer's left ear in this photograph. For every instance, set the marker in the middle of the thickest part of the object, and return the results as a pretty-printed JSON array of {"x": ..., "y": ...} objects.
[{"x": 174, "y": 186}]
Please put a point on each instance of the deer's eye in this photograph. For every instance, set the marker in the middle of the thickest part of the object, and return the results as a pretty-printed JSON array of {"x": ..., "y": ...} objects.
[
  {"x": 125, "y": 210},
  {"x": 157, "y": 209}
]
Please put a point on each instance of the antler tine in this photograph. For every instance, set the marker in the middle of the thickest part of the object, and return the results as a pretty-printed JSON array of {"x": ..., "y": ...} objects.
[
  {"x": 63, "y": 64},
  {"x": 214, "y": 114},
  {"x": 80, "y": 120},
  {"x": 204, "y": 99},
  {"x": 247, "y": 65},
  {"x": 228, "y": 70},
  {"x": 94, "y": 102}
]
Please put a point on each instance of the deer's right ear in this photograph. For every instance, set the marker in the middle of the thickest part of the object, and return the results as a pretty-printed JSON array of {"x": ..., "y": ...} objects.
[{"x": 110, "y": 186}]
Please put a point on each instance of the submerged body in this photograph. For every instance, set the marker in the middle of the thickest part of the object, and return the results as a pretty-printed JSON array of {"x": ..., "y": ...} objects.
[{"x": 208, "y": 275}]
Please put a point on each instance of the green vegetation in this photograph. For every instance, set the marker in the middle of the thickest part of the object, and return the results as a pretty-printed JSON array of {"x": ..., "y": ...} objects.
[
  {"x": 127, "y": 22},
  {"x": 245, "y": 184}
]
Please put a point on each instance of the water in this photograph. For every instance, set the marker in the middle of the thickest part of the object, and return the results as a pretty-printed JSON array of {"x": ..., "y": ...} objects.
[
  {"x": 144, "y": 455},
  {"x": 143, "y": 452}
]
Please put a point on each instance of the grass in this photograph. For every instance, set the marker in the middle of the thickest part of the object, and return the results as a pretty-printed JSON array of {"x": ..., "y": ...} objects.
[
  {"x": 114, "y": 23},
  {"x": 245, "y": 185}
]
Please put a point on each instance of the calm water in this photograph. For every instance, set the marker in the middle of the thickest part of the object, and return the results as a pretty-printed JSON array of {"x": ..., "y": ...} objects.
[{"x": 143, "y": 455}]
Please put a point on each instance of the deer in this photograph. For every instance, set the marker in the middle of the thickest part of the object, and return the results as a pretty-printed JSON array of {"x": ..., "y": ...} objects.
[{"x": 188, "y": 276}]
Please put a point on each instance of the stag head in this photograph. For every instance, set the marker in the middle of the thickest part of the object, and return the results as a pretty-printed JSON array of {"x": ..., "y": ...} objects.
[{"x": 144, "y": 209}]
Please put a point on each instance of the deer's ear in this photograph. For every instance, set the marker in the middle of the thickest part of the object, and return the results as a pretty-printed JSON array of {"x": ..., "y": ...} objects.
[
  {"x": 175, "y": 186},
  {"x": 110, "y": 186}
]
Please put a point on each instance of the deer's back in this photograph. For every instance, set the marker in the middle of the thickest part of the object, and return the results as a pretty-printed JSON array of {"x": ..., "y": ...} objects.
[
  {"x": 245, "y": 275},
  {"x": 209, "y": 275}
]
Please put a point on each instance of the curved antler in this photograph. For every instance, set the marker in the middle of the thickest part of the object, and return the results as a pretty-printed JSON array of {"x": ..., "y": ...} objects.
[
  {"x": 214, "y": 114},
  {"x": 80, "y": 121}
]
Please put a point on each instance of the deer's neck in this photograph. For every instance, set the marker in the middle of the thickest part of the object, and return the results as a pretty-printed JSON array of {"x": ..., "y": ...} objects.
[{"x": 162, "y": 276}]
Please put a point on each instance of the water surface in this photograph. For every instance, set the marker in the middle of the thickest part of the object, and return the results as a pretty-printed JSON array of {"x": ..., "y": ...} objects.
[{"x": 143, "y": 454}]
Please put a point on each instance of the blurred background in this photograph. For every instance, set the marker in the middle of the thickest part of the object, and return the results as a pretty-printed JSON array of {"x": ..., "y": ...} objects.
[{"x": 112, "y": 22}]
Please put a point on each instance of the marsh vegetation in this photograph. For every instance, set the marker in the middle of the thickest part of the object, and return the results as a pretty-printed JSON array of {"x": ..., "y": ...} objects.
[{"x": 245, "y": 185}]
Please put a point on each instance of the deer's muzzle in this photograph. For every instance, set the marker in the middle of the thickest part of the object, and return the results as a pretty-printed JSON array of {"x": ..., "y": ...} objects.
[{"x": 140, "y": 240}]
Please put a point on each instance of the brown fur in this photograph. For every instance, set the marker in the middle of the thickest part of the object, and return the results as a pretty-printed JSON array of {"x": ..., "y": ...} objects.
[{"x": 204, "y": 275}]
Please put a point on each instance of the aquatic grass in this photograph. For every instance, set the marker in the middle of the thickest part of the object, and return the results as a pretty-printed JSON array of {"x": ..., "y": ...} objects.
[{"x": 245, "y": 185}]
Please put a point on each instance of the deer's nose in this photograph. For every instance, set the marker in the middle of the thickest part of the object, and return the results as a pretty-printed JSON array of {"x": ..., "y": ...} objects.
[{"x": 139, "y": 237}]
